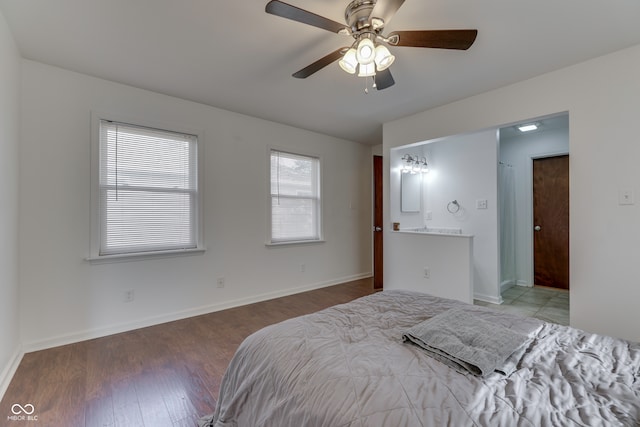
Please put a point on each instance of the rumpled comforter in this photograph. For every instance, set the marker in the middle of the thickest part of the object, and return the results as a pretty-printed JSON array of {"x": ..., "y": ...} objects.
[
  {"x": 468, "y": 343},
  {"x": 347, "y": 366}
]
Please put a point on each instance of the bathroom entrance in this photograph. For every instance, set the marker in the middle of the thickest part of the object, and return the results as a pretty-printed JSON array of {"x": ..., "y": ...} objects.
[{"x": 546, "y": 264}]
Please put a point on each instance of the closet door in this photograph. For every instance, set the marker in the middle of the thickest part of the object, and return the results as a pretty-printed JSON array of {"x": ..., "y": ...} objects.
[{"x": 551, "y": 221}]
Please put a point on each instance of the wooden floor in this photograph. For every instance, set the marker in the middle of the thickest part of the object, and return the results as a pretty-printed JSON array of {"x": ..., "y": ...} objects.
[{"x": 165, "y": 375}]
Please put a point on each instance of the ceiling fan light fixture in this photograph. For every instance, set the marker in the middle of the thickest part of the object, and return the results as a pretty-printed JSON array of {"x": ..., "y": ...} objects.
[
  {"x": 367, "y": 70},
  {"x": 366, "y": 51},
  {"x": 349, "y": 62},
  {"x": 365, "y": 21},
  {"x": 383, "y": 58}
]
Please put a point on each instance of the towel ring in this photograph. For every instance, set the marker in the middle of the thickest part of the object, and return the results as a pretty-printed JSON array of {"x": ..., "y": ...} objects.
[{"x": 453, "y": 207}]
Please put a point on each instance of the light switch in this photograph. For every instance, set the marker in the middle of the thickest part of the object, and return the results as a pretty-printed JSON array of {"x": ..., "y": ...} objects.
[
  {"x": 625, "y": 196},
  {"x": 481, "y": 204}
]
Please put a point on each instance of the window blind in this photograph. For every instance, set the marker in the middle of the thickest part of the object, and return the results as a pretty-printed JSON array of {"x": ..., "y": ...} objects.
[
  {"x": 295, "y": 197},
  {"x": 148, "y": 189}
]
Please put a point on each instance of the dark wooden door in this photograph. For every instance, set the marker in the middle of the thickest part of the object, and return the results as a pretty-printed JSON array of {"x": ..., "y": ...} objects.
[
  {"x": 377, "y": 222},
  {"x": 551, "y": 221}
]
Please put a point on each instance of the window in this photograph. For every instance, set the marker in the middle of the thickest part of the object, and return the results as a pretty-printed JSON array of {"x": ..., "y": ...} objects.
[
  {"x": 147, "y": 194},
  {"x": 295, "y": 198}
]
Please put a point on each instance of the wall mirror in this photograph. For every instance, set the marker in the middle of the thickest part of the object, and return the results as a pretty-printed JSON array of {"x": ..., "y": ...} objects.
[{"x": 410, "y": 192}]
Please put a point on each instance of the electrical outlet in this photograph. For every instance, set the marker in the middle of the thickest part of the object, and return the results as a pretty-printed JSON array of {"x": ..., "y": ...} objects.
[
  {"x": 625, "y": 196},
  {"x": 427, "y": 273},
  {"x": 220, "y": 282},
  {"x": 481, "y": 204},
  {"x": 128, "y": 296},
  {"x": 303, "y": 268}
]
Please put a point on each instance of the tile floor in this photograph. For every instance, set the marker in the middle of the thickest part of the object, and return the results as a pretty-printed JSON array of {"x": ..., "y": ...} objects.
[{"x": 548, "y": 304}]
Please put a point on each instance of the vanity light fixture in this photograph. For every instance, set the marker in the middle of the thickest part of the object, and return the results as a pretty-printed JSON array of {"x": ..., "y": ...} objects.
[{"x": 414, "y": 164}]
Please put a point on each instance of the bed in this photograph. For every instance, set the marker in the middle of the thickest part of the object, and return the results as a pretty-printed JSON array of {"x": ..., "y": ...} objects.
[{"x": 348, "y": 365}]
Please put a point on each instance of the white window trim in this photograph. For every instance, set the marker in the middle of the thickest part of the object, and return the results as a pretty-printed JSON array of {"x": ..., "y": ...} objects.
[
  {"x": 269, "y": 242},
  {"x": 295, "y": 242},
  {"x": 94, "y": 252}
]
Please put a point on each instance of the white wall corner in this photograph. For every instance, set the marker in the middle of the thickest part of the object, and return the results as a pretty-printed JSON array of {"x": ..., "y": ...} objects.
[{"x": 9, "y": 371}]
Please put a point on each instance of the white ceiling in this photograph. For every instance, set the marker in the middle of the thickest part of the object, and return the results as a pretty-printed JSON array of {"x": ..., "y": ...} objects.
[{"x": 233, "y": 55}]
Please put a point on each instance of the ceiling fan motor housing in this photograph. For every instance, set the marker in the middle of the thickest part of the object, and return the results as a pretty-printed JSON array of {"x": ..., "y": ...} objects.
[{"x": 357, "y": 14}]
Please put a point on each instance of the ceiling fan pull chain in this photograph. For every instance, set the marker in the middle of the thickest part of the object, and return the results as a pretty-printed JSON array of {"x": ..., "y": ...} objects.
[{"x": 366, "y": 84}]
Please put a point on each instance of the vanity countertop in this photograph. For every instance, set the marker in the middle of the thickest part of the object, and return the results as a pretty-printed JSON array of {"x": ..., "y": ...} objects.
[{"x": 434, "y": 231}]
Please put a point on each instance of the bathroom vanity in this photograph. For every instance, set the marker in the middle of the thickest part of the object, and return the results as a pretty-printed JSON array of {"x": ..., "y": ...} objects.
[{"x": 434, "y": 261}]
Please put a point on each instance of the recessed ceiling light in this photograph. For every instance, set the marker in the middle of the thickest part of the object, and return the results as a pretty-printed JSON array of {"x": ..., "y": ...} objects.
[{"x": 528, "y": 127}]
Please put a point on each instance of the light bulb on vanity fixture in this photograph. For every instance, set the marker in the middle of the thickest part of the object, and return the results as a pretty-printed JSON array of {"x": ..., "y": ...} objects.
[{"x": 414, "y": 164}]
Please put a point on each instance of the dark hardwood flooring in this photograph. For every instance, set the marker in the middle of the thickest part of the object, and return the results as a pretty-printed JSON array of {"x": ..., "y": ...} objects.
[{"x": 164, "y": 375}]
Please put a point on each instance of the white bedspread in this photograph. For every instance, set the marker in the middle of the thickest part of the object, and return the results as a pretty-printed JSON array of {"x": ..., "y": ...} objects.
[{"x": 347, "y": 366}]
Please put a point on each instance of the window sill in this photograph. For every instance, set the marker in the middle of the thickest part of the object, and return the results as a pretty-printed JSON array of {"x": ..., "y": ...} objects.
[
  {"x": 294, "y": 243},
  {"x": 139, "y": 256}
]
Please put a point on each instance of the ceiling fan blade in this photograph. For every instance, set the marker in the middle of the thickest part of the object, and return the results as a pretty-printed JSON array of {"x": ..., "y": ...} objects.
[
  {"x": 320, "y": 63},
  {"x": 285, "y": 10},
  {"x": 385, "y": 9},
  {"x": 384, "y": 79},
  {"x": 439, "y": 39}
]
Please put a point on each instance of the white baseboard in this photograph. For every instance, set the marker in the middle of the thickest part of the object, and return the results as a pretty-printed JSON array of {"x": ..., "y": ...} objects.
[
  {"x": 89, "y": 334},
  {"x": 510, "y": 284},
  {"x": 488, "y": 298},
  {"x": 9, "y": 371},
  {"x": 507, "y": 284}
]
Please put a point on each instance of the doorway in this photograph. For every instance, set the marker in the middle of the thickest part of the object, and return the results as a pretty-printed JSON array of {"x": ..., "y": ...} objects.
[
  {"x": 517, "y": 152},
  {"x": 377, "y": 223},
  {"x": 551, "y": 221}
]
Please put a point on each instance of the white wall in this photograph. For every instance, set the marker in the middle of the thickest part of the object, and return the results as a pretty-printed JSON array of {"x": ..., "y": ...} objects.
[
  {"x": 462, "y": 168},
  {"x": 601, "y": 96},
  {"x": 75, "y": 300},
  {"x": 449, "y": 260},
  {"x": 519, "y": 152},
  {"x": 9, "y": 130}
]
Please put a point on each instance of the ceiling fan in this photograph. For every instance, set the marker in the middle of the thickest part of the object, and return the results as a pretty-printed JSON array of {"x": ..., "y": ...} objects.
[{"x": 368, "y": 54}]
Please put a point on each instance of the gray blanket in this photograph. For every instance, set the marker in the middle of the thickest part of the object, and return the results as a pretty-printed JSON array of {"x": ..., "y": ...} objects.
[
  {"x": 347, "y": 366},
  {"x": 467, "y": 342}
]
